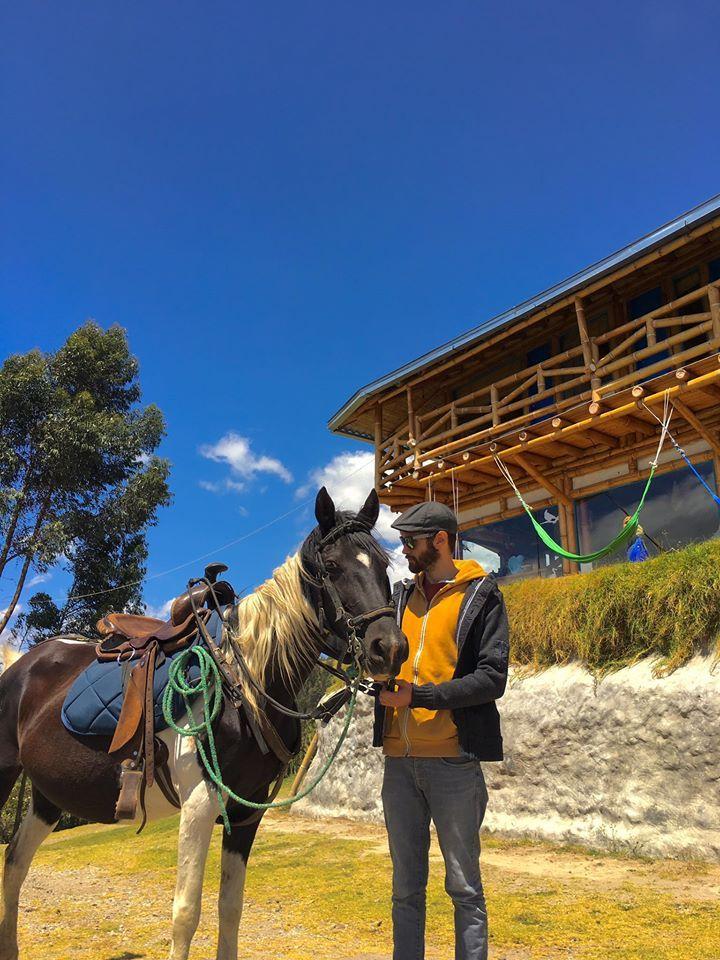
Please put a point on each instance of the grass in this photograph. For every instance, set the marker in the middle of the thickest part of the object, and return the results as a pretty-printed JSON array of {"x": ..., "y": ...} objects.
[
  {"x": 668, "y": 607},
  {"x": 312, "y": 893}
]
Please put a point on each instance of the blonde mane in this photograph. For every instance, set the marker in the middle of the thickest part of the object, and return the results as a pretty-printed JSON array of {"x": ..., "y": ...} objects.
[{"x": 276, "y": 627}]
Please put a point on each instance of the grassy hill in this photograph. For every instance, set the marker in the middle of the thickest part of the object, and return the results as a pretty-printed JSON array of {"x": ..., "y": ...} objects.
[{"x": 668, "y": 606}]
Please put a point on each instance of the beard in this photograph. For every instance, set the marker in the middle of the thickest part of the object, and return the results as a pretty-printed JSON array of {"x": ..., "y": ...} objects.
[{"x": 422, "y": 561}]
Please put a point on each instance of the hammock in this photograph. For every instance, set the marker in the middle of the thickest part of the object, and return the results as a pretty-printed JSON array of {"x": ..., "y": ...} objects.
[{"x": 625, "y": 534}]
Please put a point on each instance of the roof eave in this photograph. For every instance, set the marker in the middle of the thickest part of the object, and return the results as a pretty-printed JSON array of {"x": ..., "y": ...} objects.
[{"x": 577, "y": 281}]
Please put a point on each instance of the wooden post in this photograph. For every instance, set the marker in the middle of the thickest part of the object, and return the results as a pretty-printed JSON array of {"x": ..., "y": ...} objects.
[
  {"x": 411, "y": 416},
  {"x": 714, "y": 299},
  {"x": 572, "y": 537},
  {"x": 378, "y": 445},
  {"x": 494, "y": 401},
  {"x": 589, "y": 349},
  {"x": 304, "y": 766}
]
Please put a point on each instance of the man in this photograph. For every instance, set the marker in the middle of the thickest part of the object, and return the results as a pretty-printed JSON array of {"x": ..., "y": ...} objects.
[{"x": 438, "y": 725}]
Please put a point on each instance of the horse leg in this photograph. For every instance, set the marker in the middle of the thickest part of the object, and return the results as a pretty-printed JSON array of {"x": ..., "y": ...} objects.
[
  {"x": 197, "y": 819},
  {"x": 235, "y": 852},
  {"x": 37, "y": 824}
]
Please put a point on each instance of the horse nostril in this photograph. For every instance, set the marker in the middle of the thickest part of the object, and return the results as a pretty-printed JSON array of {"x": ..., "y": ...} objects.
[{"x": 376, "y": 649}]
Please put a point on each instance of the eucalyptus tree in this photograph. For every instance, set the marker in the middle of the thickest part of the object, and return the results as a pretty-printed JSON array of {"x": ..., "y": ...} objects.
[{"x": 79, "y": 480}]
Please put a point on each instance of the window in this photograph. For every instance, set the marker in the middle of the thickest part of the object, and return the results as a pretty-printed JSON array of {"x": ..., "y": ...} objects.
[
  {"x": 678, "y": 511},
  {"x": 511, "y": 549}
]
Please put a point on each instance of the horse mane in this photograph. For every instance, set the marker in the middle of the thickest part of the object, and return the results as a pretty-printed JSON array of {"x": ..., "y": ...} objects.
[{"x": 277, "y": 628}]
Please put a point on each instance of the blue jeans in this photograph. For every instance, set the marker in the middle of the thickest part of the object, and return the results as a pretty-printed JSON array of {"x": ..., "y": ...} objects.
[{"x": 451, "y": 792}]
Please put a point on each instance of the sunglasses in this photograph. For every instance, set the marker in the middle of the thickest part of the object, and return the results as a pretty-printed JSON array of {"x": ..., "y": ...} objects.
[{"x": 411, "y": 542}]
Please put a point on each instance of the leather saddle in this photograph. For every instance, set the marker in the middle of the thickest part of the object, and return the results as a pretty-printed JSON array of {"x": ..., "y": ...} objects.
[{"x": 144, "y": 641}]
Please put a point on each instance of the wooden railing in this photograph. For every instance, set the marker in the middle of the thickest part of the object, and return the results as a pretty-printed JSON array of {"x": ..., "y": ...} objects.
[{"x": 598, "y": 366}]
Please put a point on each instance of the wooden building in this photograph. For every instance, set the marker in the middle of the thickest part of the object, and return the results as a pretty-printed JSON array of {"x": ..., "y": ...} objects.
[{"x": 558, "y": 388}]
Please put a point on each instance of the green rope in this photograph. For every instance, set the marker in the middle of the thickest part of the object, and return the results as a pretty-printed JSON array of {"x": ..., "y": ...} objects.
[{"x": 209, "y": 685}]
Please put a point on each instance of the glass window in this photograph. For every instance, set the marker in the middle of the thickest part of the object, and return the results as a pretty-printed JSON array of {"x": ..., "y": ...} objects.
[
  {"x": 512, "y": 550},
  {"x": 678, "y": 511}
]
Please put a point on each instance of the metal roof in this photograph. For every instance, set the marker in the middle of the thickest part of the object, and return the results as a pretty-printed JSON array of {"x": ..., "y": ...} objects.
[{"x": 681, "y": 224}]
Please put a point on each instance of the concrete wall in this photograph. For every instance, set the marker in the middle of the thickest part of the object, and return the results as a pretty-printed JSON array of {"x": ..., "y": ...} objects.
[{"x": 628, "y": 763}]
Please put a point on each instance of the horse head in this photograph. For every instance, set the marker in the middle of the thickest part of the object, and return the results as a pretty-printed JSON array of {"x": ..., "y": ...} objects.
[{"x": 349, "y": 570}]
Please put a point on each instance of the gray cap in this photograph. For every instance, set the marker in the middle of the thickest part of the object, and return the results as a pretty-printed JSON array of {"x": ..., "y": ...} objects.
[{"x": 427, "y": 517}]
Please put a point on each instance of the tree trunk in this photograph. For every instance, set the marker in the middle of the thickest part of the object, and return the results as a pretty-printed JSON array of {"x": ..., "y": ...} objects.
[
  {"x": 4, "y": 620},
  {"x": 15, "y": 517}
]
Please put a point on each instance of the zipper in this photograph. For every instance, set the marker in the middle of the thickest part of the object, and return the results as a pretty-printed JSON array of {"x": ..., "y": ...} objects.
[
  {"x": 467, "y": 607},
  {"x": 416, "y": 672}
]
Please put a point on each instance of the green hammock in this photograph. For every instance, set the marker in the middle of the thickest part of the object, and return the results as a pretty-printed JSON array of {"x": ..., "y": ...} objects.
[{"x": 625, "y": 534}]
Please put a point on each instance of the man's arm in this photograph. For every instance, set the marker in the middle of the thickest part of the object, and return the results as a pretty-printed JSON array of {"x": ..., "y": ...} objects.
[{"x": 488, "y": 679}]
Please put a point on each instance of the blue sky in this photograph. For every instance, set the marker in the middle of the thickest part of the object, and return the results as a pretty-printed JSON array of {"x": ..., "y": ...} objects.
[{"x": 281, "y": 202}]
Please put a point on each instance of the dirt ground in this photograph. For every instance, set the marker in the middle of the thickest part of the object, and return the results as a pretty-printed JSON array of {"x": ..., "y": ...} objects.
[{"x": 99, "y": 893}]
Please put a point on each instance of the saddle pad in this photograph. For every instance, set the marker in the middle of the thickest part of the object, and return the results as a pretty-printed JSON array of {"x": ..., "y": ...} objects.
[{"x": 94, "y": 701}]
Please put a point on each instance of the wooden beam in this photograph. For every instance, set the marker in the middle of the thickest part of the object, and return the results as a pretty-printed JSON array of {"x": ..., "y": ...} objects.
[
  {"x": 714, "y": 299},
  {"x": 693, "y": 420},
  {"x": 626, "y": 410},
  {"x": 378, "y": 445},
  {"x": 541, "y": 480}
]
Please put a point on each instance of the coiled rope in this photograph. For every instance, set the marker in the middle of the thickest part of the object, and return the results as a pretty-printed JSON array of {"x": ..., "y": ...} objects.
[{"x": 209, "y": 685}]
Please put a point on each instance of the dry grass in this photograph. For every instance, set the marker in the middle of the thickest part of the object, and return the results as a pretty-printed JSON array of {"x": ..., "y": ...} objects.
[
  {"x": 668, "y": 606},
  {"x": 321, "y": 891}
]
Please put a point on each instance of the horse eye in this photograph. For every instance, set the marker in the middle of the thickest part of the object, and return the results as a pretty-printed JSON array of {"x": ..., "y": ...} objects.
[{"x": 331, "y": 565}]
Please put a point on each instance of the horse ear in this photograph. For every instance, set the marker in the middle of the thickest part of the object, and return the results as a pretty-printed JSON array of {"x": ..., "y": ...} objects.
[
  {"x": 324, "y": 510},
  {"x": 371, "y": 508}
]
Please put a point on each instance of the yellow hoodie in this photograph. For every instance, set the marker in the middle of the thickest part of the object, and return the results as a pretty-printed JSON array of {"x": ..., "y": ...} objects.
[{"x": 430, "y": 630}]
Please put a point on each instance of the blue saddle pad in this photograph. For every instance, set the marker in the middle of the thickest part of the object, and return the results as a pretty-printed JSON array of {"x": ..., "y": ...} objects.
[{"x": 94, "y": 701}]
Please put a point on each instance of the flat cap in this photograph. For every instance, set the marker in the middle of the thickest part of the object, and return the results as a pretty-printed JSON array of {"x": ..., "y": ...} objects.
[{"x": 427, "y": 517}]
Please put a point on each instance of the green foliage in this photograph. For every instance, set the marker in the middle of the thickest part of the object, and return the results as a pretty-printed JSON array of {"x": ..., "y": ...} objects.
[
  {"x": 668, "y": 606},
  {"x": 79, "y": 483}
]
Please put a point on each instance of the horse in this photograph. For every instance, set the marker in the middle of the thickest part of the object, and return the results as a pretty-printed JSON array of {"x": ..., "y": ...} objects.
[{"x": 337, "y": 580}]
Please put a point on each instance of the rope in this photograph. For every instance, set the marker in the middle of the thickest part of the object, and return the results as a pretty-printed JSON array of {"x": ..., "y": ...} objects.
[
  {"x": 685, "y": 457},
  {"x": 209, "y": 685},
  {"x": 625, "y": 534}
]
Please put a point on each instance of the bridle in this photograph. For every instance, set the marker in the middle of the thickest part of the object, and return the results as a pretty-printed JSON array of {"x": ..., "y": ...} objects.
[
  {"x": 336, "y": 623},
  {"x": 340, "y": 632}
]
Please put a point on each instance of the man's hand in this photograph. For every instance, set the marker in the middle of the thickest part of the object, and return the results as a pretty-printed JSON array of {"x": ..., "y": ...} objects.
[{"x": 397, "y": 698}]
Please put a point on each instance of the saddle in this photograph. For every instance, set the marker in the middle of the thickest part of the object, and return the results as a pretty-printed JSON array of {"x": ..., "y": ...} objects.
[{"x": 145, "y": 641}]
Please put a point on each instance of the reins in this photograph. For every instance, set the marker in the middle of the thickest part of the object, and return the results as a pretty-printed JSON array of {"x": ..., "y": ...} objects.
[{"x": 335, "y": 625}]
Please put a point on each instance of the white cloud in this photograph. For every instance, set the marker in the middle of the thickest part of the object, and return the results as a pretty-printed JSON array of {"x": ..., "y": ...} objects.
[
  {"x": 224, "y": 486},
  {"x": 349, "y": 478},
  {"x": 234, "y": 450},
  {"x": 38, "y": 578},
  {"x": 162, "y": 612}
]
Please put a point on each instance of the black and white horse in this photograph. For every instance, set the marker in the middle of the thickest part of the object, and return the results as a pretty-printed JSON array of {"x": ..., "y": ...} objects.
[{"x": 281, "y": 630}]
